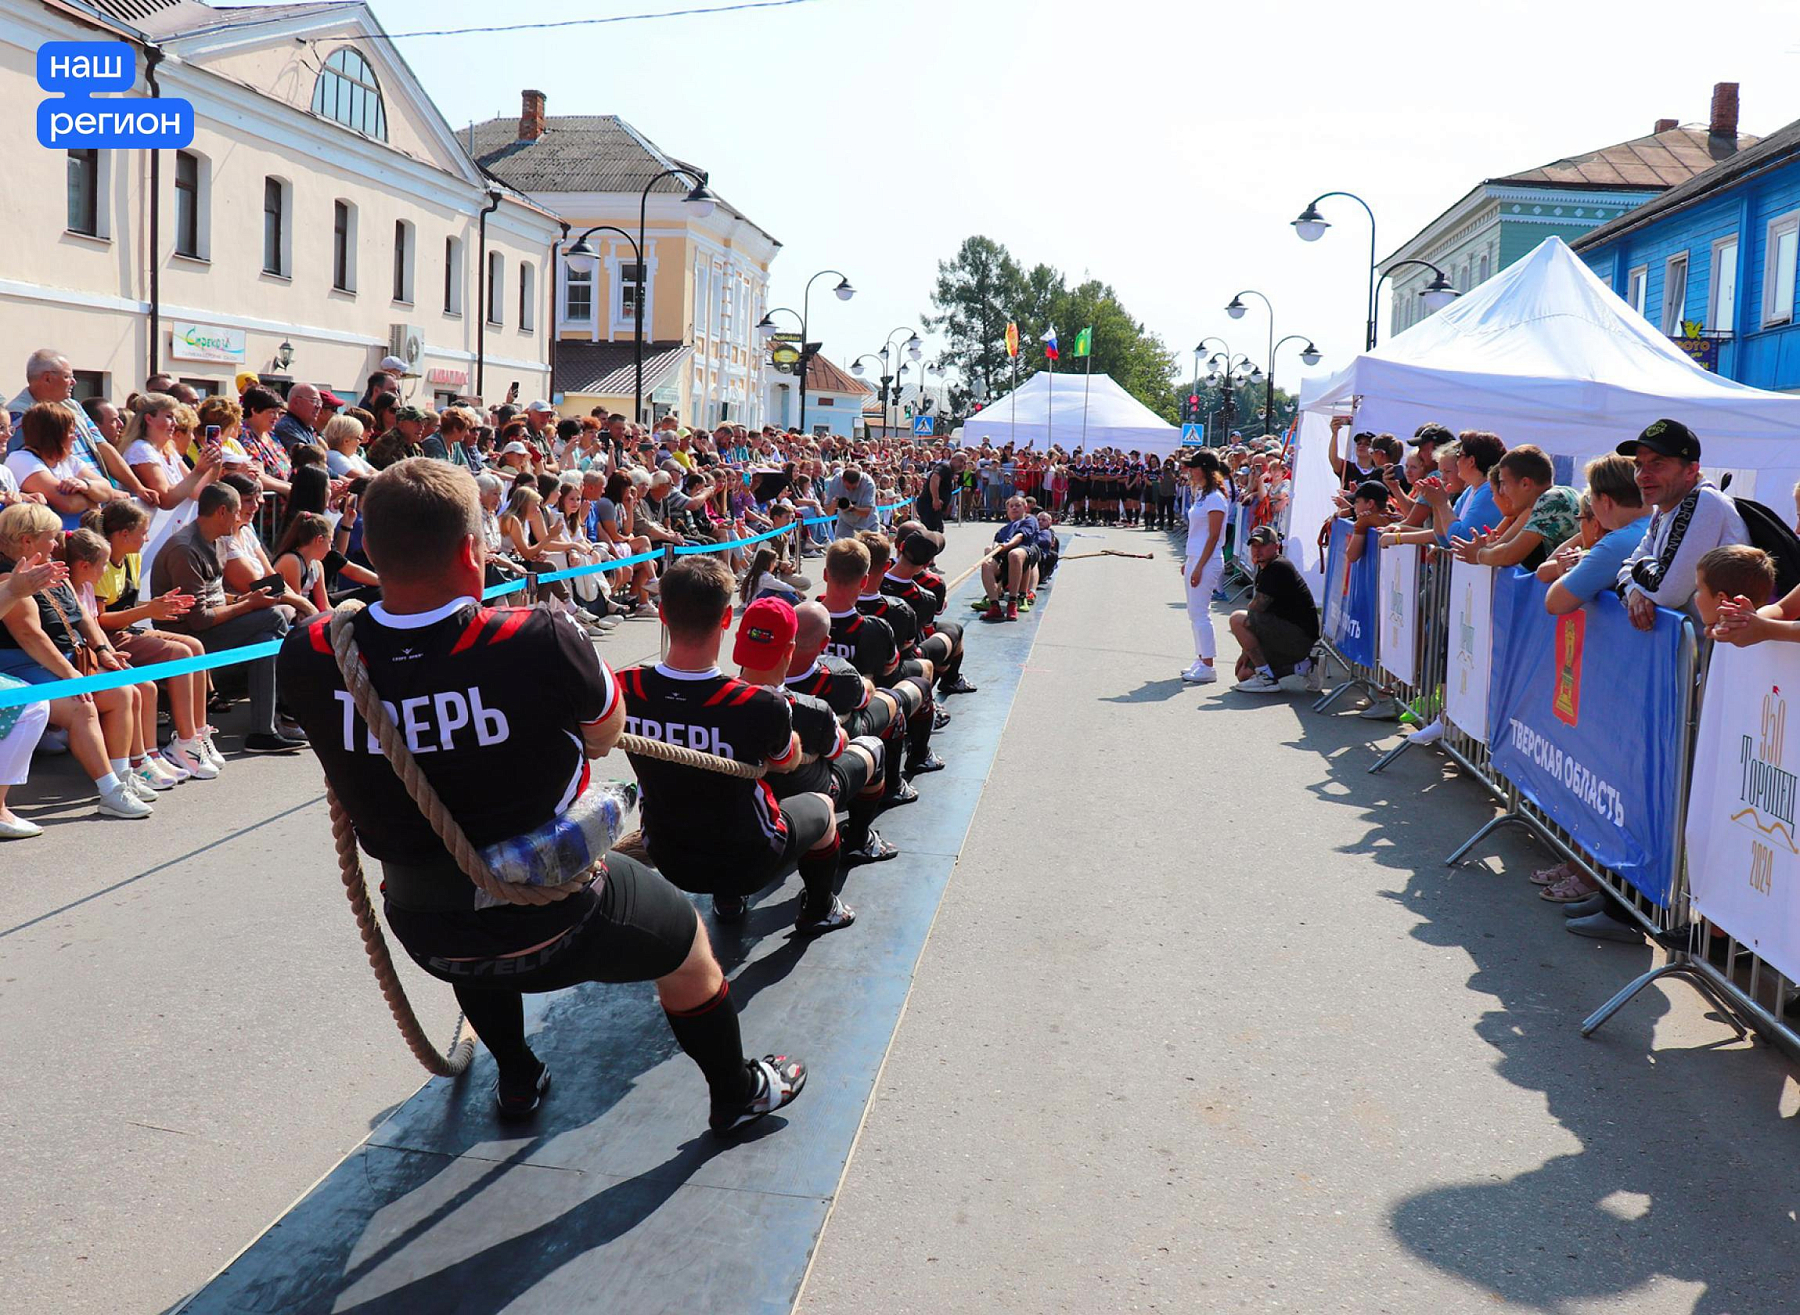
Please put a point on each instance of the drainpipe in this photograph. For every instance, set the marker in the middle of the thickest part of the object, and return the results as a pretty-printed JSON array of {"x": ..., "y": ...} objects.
[
  {"x": 483, "y": 289},
  {"x": 153, "y": 57},
  {"x": 551, "y": 271}
]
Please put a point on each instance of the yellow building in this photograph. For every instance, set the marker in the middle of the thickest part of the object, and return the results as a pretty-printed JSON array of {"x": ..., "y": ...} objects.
[
  {"x": 324, "y": 217},
  {"x": 704, "y": 283}
]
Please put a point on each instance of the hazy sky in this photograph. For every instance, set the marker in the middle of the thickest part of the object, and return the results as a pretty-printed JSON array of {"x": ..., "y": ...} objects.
[{"x": 1163, "y": 147}]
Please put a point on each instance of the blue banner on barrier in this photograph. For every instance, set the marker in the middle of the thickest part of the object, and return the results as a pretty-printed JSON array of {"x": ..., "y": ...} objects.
[
  {"x": 1351, "y": 592},
  {"x": 1600, "y": 755}
]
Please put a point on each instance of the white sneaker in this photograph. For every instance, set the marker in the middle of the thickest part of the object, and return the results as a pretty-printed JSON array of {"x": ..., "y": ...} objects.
[
  {"x": 1381, "y": 709},
  {"x": 120, "y": 802},
  {"x": 169, "y": 769},
  {"x": 1258, "y": 684},
  {"x": 211, "y": 751},
  {"x": 1200, "y": 674},
  {"x": 138, "y": 786},
  {"x": 1428, "y": 734},
  {"x": 194, "y": 761},
  {"x": 147, "y": 773}
]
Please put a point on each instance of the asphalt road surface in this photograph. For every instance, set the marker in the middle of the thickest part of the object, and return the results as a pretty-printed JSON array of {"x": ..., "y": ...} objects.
[{"x": 1204, "y": 1024}]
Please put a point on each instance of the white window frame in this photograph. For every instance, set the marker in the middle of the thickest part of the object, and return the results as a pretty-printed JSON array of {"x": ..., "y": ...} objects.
[
  {"x": 1637, "y": 281},
  {"x": 616, "y": 260},
  {"x": 102, "y": 195},
  {"x": 202, "y": 251},
  {"x": 1713, "y": 318},
  {"x": 1675, "y": 308},
  {"x": 567, "y": 275},
  {"x": 454, "y": 261},
  {"x": 527, "y": 297},
  {"x": 347, "y": 285},
  {"x": 494, "y": 288},
  {"x": 1778, "y": 227},
  {"x": 284, "y": 247},
  {"x": 406, "y": 259}
]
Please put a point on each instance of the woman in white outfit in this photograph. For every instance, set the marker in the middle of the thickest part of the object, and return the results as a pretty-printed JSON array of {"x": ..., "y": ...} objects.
[{"x": 1206, "y": 516}]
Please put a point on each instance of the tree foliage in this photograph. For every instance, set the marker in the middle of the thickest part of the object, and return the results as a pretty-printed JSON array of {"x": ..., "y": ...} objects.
[{"x": 983, "y": 286}]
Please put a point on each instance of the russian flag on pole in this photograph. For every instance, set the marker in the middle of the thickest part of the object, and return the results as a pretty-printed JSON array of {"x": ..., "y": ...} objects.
[{"x": 1050, "y": 343}]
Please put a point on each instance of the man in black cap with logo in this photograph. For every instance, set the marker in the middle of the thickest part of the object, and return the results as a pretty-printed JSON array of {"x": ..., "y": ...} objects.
[
  {"x": 1276, "y": 633},
  {"x": 1690, "y": 518}
]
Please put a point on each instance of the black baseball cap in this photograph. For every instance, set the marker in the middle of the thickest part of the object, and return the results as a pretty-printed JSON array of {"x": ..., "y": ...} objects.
[
  {"x": 1668, "y": 438},
  {"x": 1372, "y": 489},
  {"x": 1265, "y": 534},
  {"x": 1431, "y": 432}
]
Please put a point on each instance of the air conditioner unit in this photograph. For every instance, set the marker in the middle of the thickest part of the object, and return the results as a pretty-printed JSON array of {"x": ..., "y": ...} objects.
[{"x": 407, "y": 341}]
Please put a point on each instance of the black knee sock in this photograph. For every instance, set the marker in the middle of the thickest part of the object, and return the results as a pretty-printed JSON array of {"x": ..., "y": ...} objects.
[
  {"x": 918, "y": 732},
  {"x": 819, "y": 869},
  {"x": 709, "y": 1035},
  {"x": 890, "y": 772},
  {"x": 948, "y": 673},
  {"x": 498, "y": 1018},
  {"x": 855, "y": 832}
]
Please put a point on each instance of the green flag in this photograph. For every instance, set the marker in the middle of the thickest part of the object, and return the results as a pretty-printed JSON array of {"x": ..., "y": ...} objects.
[{"x": 1084, "y": 342}]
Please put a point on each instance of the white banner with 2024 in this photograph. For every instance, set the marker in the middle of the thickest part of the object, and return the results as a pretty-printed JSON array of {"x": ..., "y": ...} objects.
[
  {"x": 1399, "y": 611},
  {"x": 1471, "y": 648},
  {"x": 1743, "y": 853}
]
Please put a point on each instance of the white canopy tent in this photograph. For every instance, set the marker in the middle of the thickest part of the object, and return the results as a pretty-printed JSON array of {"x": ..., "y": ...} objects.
[
  {"x": 1049, "y": 412},
  {"x": 1546, "y": 353}
]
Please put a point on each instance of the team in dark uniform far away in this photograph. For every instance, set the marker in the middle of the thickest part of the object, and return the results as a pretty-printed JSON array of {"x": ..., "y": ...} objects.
[{"x": 836, "y": 700}]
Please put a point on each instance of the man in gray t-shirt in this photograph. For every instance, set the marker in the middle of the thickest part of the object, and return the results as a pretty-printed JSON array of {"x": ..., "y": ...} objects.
[{"x": 852, "y": 494}]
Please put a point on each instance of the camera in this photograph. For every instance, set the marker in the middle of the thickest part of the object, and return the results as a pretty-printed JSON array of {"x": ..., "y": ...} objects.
[{"x": 843, "y": 504}]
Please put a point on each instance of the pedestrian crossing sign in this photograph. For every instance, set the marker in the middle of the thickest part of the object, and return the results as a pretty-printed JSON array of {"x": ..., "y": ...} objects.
[
  {"x": 1193, "y": 433},
  {"x": 924, "y": 425}
]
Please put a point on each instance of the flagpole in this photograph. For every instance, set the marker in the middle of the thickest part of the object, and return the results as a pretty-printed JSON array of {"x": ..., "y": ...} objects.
[
  {"x": 1050, "y": 406},
  {"x": 1087, "y": 383},
  {"x": 1013, "y": 421}
]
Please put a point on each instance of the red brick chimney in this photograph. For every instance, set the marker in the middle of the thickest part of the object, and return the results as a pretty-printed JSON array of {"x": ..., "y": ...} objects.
[
  {"x": 1666, "y": 125},
  {"x": 1724, "y": 110},
  {"x": 531, "y": 115}
]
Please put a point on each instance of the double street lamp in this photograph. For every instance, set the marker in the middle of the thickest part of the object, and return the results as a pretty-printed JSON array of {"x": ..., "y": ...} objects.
[
  {"x": 1310, "y": 354},
  {"x": 1224, "y": 371},
  {"x": 1311, "y": 226},
  {"x": 1436, "y": 295},
  {"x": 892, "y": 369},
  {"x": 766, "y": 327}
]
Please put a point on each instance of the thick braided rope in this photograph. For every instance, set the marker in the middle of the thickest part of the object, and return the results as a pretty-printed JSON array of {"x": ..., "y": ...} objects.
[
  {"x": 675, "y": 753},
  {"x": 462, "y": 1045}
]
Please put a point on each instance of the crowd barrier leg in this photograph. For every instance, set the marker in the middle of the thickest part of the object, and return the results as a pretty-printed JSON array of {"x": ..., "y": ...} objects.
[
  {"x": 1696, "y": 973},
  {"x": 1493, "y": 824}
]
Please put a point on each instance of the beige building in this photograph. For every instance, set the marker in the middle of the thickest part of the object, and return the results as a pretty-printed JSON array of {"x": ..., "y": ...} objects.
[
  {"x": 704, "y": 284},
  {"x": 324, "y": 217}
]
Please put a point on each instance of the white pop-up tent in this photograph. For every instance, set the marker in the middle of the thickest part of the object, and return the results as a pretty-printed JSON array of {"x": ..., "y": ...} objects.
[
  {"x": 1546, "y": 353},
  {"x": 1047, "y": 409}
]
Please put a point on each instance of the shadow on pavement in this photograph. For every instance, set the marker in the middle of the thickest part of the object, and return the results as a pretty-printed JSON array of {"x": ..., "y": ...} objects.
[{"x": 1684, "y": 1170}]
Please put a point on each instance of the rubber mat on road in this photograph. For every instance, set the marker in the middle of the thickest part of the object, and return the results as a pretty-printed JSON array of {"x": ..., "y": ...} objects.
[{"x": 617, "y": 1198}]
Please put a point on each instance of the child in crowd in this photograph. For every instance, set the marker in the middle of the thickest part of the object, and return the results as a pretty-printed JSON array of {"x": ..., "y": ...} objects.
[
  {"x": 1732, "y": 587},
  {"x": 1369, "y": 511},
  {"x": 87, "y": 555}
]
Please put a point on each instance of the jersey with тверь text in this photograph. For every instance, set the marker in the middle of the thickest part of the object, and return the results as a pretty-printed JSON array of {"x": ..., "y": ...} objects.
[{"x": 692, "y": 816}]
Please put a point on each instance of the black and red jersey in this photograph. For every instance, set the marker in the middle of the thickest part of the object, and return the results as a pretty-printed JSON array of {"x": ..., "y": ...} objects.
[
  {"x": 932, "y": 583},
  {"x": 821, "y": 737},
  {"x": 901, "y": 619},
  {"x": 491, "y": 701},
  {"x": 691, "y": 816},
  {"x": 865, "y": 642},
  {"x": 924, "y": 604},
  {"x": 832, "y": 679}
]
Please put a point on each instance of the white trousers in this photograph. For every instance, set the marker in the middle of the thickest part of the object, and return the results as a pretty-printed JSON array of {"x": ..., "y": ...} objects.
[
  {"x": 1199, "y": 603},
  {"x": 16, "y": 746}
]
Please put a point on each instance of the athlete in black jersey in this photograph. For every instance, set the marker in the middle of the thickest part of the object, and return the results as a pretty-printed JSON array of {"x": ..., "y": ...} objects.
[
  {"x": 706, "y": 831},
  {"x": 506, "y": 754},
  {"x": 868, "y": 642},
  {"x": 848, "y": 771},
  {"x": 906, "y": 578}
]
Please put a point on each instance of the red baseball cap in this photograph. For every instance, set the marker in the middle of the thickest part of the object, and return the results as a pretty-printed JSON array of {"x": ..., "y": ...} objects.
[
  {"x": 766, "y": 629},
  {"x": 330, "y": 400}
]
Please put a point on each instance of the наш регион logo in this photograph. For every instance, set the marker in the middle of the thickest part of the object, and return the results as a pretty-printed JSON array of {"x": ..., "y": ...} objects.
[{"x": 75, "y": 120}]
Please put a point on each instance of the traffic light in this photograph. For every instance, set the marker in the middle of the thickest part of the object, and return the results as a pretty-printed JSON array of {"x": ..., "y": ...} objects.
[{"x": 1190, "y": 411}]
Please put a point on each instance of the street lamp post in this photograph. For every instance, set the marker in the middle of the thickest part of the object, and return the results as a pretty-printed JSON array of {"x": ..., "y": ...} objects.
[
  {"x": 892, "y": 368},
  {"x": 1236, "y": 310},
  {"x": 856, "y": 368},
  {"x": 584, "y": 259},
  {"x": 1225, "y": 371},
  {"x": 1437, "y": 294},
  {"x": 1308, "y": 354},
  {"x": 1311, "y": 226},
  {"x": 702, "y": 202},
  {"x": 808, "y": 349}
]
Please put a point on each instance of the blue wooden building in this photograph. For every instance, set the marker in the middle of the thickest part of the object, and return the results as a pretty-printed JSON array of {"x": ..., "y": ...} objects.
[{"x": 1712, "y": 262}]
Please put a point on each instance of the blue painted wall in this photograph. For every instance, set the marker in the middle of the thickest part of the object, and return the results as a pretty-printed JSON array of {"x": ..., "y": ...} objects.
[{"x": 1763, "y": 357}]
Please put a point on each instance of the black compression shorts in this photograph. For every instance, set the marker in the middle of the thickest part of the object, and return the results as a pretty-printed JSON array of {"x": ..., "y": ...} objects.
[
  {"x": 851, "y": 773},
  {"x": 910, "y": 668},
  {"x": 636, "y": 927}
]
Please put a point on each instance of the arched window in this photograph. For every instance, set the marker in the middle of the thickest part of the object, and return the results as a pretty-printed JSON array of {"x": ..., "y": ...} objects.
[{"x": 348, "y": 92}]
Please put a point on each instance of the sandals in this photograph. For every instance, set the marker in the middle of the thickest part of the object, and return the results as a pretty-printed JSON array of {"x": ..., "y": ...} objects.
[
  {"x": 1569, "y": 890},
  {"x": 1552, "y": 876}
]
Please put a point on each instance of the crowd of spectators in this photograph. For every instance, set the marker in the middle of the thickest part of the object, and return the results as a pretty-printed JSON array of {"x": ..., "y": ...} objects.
[{"x": 169, "y": 525}]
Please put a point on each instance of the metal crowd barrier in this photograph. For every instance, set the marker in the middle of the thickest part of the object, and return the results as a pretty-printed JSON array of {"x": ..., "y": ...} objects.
[{"x": 1750, "y": 994}]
